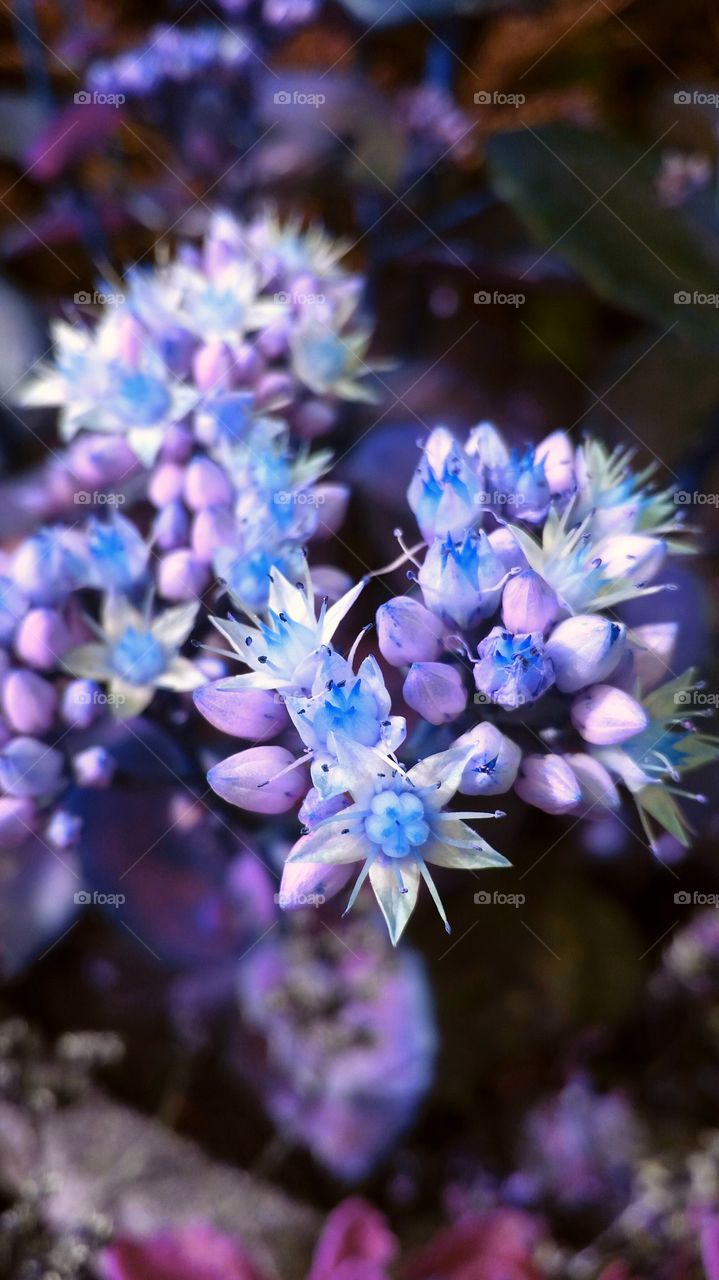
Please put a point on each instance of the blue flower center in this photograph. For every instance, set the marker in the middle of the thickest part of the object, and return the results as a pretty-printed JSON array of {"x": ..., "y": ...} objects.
[
  {"x": 138, "y": 657},
  {"x": 348, "y": 709},
  {"x": 326, "y": 356},
  {"x": 141, "y": 399},
  {"x": 396, "y": 823}
]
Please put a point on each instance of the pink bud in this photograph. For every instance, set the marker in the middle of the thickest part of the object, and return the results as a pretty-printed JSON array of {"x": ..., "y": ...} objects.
[
  {"x": 556, "y": 451},
  {"x": 81, "y": 703},
  {"x": 436, "y": 691},
  {"x": 652, "y": 650},
  {"x": 255, "y": 779},
  {"x": 305, "y": 883},
  {"x": 492, "y": 767},
  {"x": 599, "y": 792},
  {"x": 42, "y": 638},
  {"x": 528, "y": 604},
  {"x": 606, "y": 716},
  {"x": 28, "y": 701},
  {"x": 273, "y": 340},
  {"x": 635, "y": 556},
  {"x": 313, "y": 418},
  {"x": 330, "y": 503},
  {"x": 212, "y": 367},
  {"x": 548, "y": 783},
  {"x": 171, "y": 527},
  {"x": 17, "y": 814},
  {"x": 181, "y": 575},
  {"x": 257, "y": 714},
  {"x": 507, "y": 549},
  {"x": 274, "y": 390},
  {"x": 177, "y": 443},
  {"x": 213, "y": 528},
  {"x": 206, "y": 485},
  {"x": 101, "y": 460},
  {"x": 408, "y": 632},
  {"x": 248, "y": 365},
  {"x": 129, "y": 338},
  {"x": 166, "y": 484}
]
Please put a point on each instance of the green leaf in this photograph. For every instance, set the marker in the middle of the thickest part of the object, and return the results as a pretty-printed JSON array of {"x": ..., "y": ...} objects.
[
  {"x": 657, "y": 803},
  {"x": 634, "y": 252}
]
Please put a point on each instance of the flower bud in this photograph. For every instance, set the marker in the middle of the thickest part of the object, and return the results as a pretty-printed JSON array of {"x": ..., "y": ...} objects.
[
  {"x": 436, "y": 691},
  {"x": 29, "y": 768},
  {"x": 177, "y": 443},
  {"x": 257, "y": 714},
  {"x": 101, "y": 460},
  {"x": 635, "y": 556},
  {"x": 211, "y": 529},
  {"x": 42, "y": 638},
  {"x": 181, "y": 575},
  {"x": 166, "y": 484},
  {"x": 606, "y": 716},
  {"x": 486, "y": 445},
  {"x": 16, "y": 821},
  {"x": 248, "y": 364},
  {"x": 80, "y": 703},
  {"x": 444, "y": 493},
  {"x": 529, "y": 603},
  {"x": 274, "y": 390},
  {"x": 507, "y": 549},
  {"x": 206, "y": 485},
  {"x": 512, "y": 670},
  {"x": 492, "y": 767},
  {"x": 461, "y": 582},
  {"x": 407, "y": 632},
  {"x": 584, "y": 650},
  {"x": 28, "y": 702},
  {"x": 171, "y": 527},
  {"x": 13, "y": 607},
  {"x": 313, "y": 418},
  {"x": 556, "y": 451},
  {"x": 212, "y": 366},
  {"x": 329, "y": 501},
  {"x": 94, "y": 767},
  {"x": 599, "y": 792},
  {"x": 255, "y": 779},
  {"x": 273, "y": 339},
  {"x": 303, "y": 880},
  {"x": 548, "y": 783},
  {"x": 46, "y": 566},
  {"x": 652, "y": 648}
]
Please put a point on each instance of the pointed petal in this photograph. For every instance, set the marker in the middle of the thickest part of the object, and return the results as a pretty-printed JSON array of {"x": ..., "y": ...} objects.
[
  {"x": 396, "y": 907},
  {"x": 471, "y": 855},
  {"x": 130, "y": 700},
  {"x": 88, "y": 661},
  {"x": 363, "y": 765},
  {"x": 332, "y": 842},
  {"x": 441, "y": 774},
  {"x": 172, "y": 627},
  {"x": 181, "y": 675},
  {"x": 336, "y": 613}
]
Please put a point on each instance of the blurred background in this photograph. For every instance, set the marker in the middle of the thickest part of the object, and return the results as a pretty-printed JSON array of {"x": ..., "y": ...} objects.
[{"x": 530, "y": 193}]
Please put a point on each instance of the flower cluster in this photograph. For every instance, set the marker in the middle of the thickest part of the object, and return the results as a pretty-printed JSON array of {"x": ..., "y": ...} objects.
[{"x": 569, "y": 701}]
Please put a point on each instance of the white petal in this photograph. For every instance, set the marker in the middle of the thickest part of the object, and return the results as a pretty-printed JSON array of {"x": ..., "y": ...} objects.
[
  {"x": 337, "y": 611},
  {"x": 172, "y": 627},
  {"x": 88, "y": 661},
  {"x": 327, "y": 843},
  {"x": 479, "y": 855},
  {"x": 396, "y": 906}
]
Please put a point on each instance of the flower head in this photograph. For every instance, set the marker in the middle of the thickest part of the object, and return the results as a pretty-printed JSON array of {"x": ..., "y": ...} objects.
[{"x": 397, "y": 825}]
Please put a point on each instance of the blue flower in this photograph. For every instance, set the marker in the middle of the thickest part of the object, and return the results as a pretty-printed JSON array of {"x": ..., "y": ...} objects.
[
  {"x": 118, "y": 553},
  {"x": 397, "y": 825},
  {"x": 512, "y": 669}
]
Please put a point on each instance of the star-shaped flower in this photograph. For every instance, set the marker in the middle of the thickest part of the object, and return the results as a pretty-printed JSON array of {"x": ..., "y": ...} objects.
[{"x": 397, "y": 825}]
